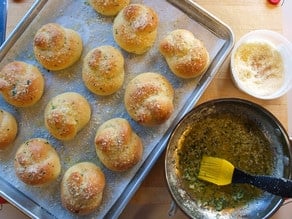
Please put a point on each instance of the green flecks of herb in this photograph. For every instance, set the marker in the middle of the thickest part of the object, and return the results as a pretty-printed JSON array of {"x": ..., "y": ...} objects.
[
  {"x": 14, "y": 92},
  {"x": 238, "y": 195},
  {"x": 219, "y": 203}
]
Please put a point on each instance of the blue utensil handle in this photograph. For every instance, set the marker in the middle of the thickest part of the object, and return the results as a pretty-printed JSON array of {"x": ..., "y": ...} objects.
[
  {"x": 277, "y": 186},
  {"x": 3, "y": 20}
]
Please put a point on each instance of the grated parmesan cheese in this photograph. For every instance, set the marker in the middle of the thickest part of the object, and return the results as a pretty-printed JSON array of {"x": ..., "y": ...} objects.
[{"x": 259, "y": 67}]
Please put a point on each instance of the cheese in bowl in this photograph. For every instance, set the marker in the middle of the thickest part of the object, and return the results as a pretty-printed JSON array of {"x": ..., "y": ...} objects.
[{"x": 259, "y": 64}]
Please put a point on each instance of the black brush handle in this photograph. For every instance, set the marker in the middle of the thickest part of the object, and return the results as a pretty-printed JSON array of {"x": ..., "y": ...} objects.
[{"x": 277, "y": 186}]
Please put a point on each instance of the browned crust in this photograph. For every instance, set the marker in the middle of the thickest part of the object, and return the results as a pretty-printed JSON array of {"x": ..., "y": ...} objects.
[
  {"x": 8, "y": 129},
  {"x": 82, "y": 188},
  {"x": 36, "y": 162},
  {"x": 103, "y": 70},
  {"x": 149, "y": 99},
  {"x": 66, "y": 114},
  {"x": 117, "y": 145},
  {"x": 186, "y": 56},
  {"x": 21, "y": 84},
  {"x": 108, "y": 7},
  {"x": 56, "y": 47},
  {"x": 135, "y": 28}
]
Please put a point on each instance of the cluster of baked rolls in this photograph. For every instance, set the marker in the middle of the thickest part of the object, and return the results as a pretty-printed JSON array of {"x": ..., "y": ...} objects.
[{"x": 148, "y": 98}]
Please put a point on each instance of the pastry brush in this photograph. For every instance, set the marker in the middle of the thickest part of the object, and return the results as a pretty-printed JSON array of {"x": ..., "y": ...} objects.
[{"x": 222, "y": 172}]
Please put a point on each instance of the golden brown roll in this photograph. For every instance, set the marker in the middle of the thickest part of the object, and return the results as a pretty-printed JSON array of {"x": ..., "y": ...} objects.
[
  {"x": 135, "y": 28},
  {"x": 56, "y": 47},
  {"x": 103, "y": 70},
  {"x": 37, "y": 162},
  {"x": 82, "y": 188},
  {"x": 149, "y": 99},
  {"x": 21, "y": 84},
  {"x": 117, "y": 146},
  {"x": 186, "y": 56},
  {"x": 108, "y": 7},
  {"x": 66, "y": 114},
  {"x": 8, "y": 129}
]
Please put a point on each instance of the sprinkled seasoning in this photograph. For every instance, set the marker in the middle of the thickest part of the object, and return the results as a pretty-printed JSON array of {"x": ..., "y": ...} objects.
[{"x": 259, "y": 67}]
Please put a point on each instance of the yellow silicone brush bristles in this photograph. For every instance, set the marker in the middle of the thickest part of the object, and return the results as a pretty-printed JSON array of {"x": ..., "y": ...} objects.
[{"x": 216, "y": 170}]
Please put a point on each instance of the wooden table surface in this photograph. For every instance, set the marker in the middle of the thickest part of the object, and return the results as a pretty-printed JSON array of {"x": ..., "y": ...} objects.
[{"x": 152, "y": 200}]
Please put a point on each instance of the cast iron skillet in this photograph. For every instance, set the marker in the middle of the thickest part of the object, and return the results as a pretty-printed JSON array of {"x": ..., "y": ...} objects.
[{"x": 264, "y": 206}]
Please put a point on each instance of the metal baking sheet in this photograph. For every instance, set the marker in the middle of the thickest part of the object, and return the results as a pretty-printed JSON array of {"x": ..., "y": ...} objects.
[{"x": 96, "y": 30}]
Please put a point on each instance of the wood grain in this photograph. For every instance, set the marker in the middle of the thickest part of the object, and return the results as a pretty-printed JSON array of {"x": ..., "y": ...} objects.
[
  {"x": 152, "y": 200},
  {"x": 244, "y": 16}
]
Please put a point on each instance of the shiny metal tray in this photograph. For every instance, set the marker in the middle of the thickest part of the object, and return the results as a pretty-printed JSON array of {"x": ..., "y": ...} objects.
[{"x": 96, "y": 30}]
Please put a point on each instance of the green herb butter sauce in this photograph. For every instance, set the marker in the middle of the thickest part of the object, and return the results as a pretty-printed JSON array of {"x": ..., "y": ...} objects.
[{"x": 231, "y": 138}]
